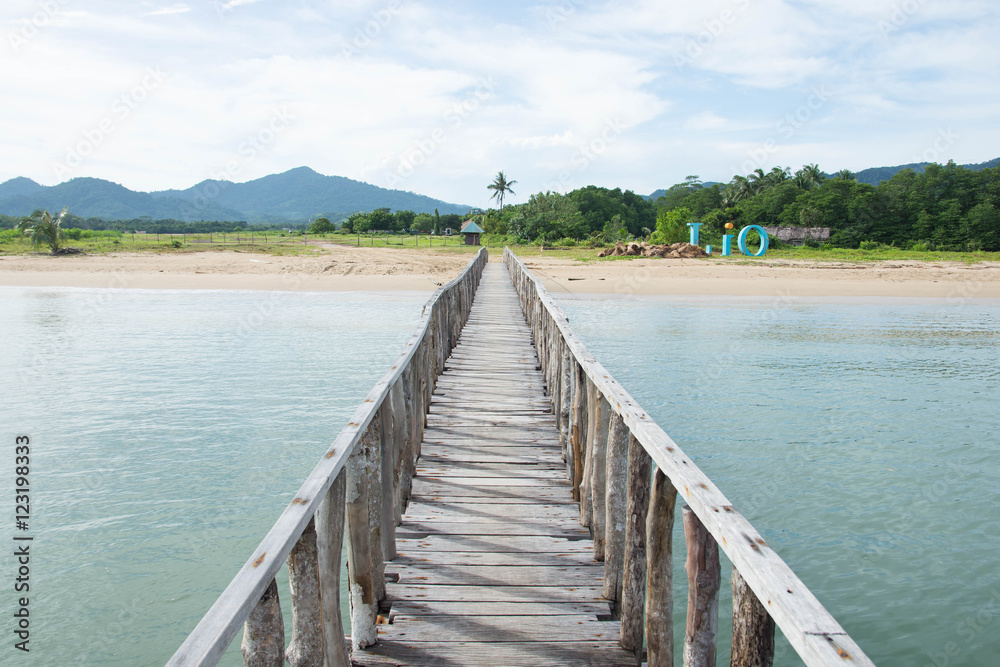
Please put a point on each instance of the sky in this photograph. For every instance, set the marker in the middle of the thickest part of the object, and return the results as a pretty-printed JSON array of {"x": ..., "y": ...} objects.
[{"x": 437, "y": 97}]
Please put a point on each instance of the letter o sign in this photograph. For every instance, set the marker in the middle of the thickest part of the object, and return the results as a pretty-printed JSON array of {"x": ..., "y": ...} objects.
[{"x": 741, "y": 240}]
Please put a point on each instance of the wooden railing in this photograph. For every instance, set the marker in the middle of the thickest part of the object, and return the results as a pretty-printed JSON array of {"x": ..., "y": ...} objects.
[
  {"x": 609, "y": 443},
  {"x": 360, "y": 487}
]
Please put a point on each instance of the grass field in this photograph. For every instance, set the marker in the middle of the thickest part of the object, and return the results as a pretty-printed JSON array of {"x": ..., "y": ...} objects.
[{"x": 12, "y": 243}]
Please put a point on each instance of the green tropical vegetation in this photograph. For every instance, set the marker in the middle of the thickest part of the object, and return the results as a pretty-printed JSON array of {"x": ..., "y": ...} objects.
[{"x": 44, "y": 229}]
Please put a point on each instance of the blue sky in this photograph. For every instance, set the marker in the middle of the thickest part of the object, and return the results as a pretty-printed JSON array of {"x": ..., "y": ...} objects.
[{"x": 436, "y": 97}]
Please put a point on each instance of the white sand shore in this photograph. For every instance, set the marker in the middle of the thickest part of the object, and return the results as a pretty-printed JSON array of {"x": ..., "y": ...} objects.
[{"x": 352, "y": 269}]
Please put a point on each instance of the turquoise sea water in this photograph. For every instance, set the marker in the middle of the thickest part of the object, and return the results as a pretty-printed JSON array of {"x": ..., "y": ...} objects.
[
  {"x": 170, "y": 428},
  {"x": 861, "y": 438}
]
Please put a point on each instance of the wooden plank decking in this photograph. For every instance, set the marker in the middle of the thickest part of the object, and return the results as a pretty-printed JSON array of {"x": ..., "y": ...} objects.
[{"x": 493, "y": 566}]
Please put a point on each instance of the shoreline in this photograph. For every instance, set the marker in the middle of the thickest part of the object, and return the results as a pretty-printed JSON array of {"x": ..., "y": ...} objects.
[{"x": 390, "y": 269}]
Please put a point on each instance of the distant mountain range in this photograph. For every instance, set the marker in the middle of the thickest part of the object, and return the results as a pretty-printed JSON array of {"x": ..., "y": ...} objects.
[
  {"x": 874, "y": 175},
  {"x": 294, "y": 196}
]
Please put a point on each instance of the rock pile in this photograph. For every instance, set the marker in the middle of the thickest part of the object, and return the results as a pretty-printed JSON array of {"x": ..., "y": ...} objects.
[{"x": 643, "y": 249}]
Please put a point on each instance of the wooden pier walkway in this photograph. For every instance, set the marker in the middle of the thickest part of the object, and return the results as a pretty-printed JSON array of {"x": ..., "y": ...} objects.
[
  {"x": 490, "y": 423},
  {"x": 493, "y": 565}
]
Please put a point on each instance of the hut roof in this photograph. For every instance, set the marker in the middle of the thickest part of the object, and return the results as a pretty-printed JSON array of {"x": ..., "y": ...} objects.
[{"x": 472, "y": 228}]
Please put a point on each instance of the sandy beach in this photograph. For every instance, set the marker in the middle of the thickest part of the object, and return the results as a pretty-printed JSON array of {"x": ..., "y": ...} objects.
[{"x": 377, "y": 269}]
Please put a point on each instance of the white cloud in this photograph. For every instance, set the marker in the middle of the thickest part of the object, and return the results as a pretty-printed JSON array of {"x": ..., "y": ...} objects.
[{"x": 412, "y": 89}]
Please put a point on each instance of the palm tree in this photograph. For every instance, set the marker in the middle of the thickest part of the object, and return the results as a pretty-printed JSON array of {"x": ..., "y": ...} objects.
[
  {"x": 737, "y": 190},
  {"x": 846, "y": 175},
  {"x": 41, "y": 227},
  {"x": 809, "y": 177},
  {"x": 500, "y": 186}
]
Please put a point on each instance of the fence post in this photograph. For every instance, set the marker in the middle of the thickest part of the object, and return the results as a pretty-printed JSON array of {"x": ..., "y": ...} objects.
[
  {"x": 306, "y": 646},
  {"x": 634, "y": 580},
  {"x": 263, "y": 642},
  {"x": 598, "y": 482},
  {"x": 329, "y": 543},
  {"x": 660, "y": 573},
  {"x": 753, "y": 628},
  {"x": 702, "y": 567},
  {"x": 615, "y": 499},
  {"x": 361, "y": 583}
]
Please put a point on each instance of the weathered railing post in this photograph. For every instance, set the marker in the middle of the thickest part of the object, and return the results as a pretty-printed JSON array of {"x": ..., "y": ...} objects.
[
  {"x": 579, "y": 433},
  {"x": 329, "y": 542},
  {"x": 360, "y": 569},
  {"x": 634, "y": 580},
  {"x": 615, "y": 502},
  {"x": 387, "y": 494},
  {"x": 753, "y": 628},
  {"x": 263, "y": 642},
  {"x": 660, "y": 573},
  {"x": 306, "y": 646},
  {"x": 598, "y": 481},
  {"x": 702, "y": 567}
]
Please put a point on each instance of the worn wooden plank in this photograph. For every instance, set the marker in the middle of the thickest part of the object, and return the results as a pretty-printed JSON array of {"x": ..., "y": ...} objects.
[
  {"x": 329, "y": 542},
  {"x": 464, "y": 654},
  {"x": 547, "y": 609},
  {"x": 503, "y": 559},
  {"x": 542, "y": 630},
  {"x": 494, "y": 593},
  {"x": 494, "y": 575}
]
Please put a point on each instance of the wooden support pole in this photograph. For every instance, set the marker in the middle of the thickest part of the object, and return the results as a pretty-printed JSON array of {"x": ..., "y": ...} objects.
[
  {"x": 329, "y": 543},
  {"x": 371, "y": 444},
  {"x": 586, "y": 482},
  {"x": 615, "y": 501},
  {"x": 634, "y": 580},
  {"x": 399, "y": 453},
  {"x": 387, "y": 464},
  {"x": 263, "y": 642},
  {"x": 660, "y": 573},
  {"x": 565, "y": 397},
  {"x": 306, "y": 646},
  {"x": 360, "y": 575},
  {"x": 704, "y": 574},
  {"x": 598, "y": 482},
  {"x": 579, "y": 433},
  {"x": 409, "y": 460},
  {"x": 753, "y": 628}
]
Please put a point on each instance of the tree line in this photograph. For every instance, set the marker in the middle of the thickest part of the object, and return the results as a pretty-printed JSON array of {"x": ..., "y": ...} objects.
[{"x": 947, "y": 207}]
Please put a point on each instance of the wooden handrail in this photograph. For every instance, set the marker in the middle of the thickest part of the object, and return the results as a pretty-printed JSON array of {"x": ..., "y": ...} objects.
[
  {"x": 389, "y": 425},
  {"x": 582, "y": 393}
]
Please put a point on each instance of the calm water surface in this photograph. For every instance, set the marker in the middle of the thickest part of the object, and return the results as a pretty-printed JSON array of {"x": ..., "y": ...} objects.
[
  {"x": 169, "y": 429},
  {"x": 861, "y": 438}
]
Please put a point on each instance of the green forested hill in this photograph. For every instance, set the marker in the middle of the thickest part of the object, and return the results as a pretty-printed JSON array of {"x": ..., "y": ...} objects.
[{"x": 292, "y": 197}]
